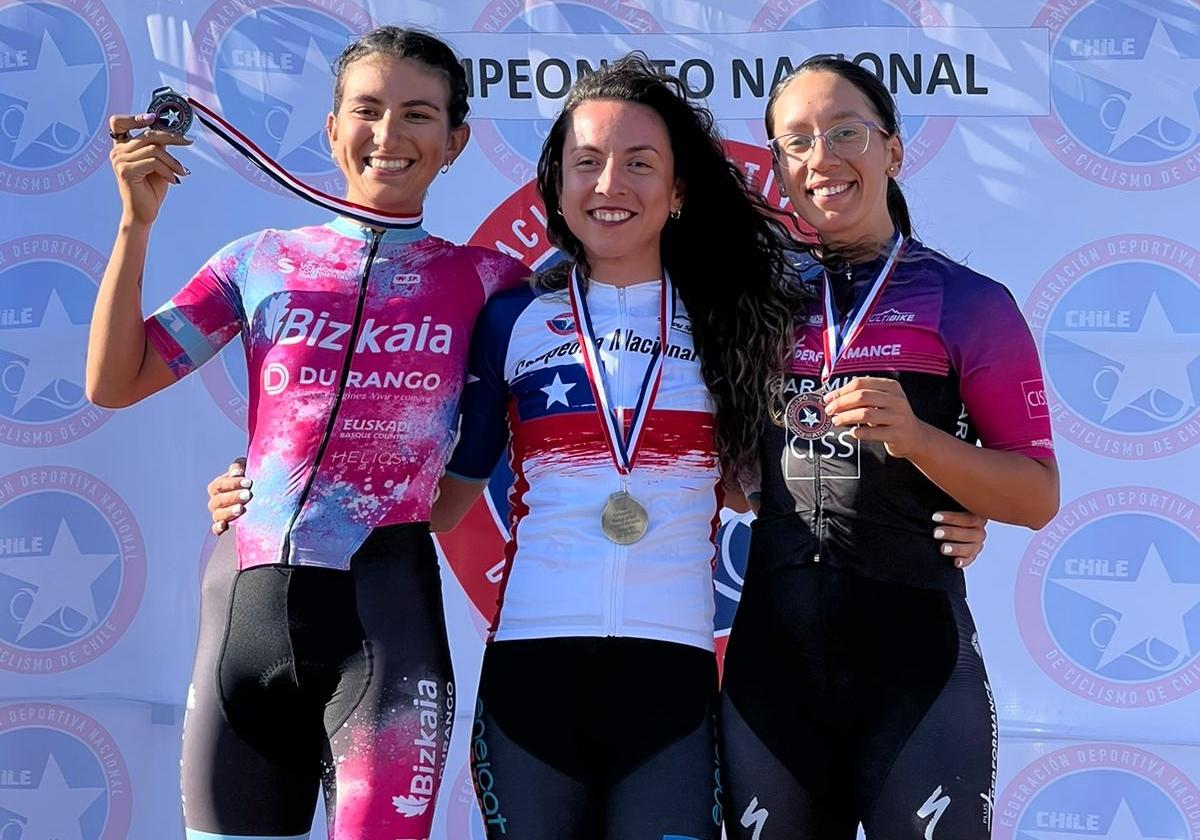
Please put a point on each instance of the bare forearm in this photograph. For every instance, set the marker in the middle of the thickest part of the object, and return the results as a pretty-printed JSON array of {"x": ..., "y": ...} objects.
[
  {"x": 1004, "y": 486},
  {"x": 117, "y": 340}
]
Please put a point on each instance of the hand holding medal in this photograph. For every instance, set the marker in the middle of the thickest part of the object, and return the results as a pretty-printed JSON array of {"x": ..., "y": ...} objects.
[
  {"x": 877, "y": 409},
  {"x": 143, "y": 166}
]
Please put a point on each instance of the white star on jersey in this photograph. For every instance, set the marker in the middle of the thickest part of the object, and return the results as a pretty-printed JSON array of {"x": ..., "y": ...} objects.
[
  {"x": 1123, "y": 827},
  {"x": 61, "y": 580},
  {"x": 1152, "y": 606},
  {"x": 52, "y": 350},
  {"x": 1162, "y": 84},
  {"x": 48, "y": 104},
  {"x": 556, "y": 392},
  {"x": 307, "y": 115},
  {"x": 53, "y": 808},
  {"x": 1152, "y": 357}
]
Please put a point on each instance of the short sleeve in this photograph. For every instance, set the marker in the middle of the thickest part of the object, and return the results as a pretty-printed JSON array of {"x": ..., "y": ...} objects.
[
  {"x": 206, "y": 314},
  {"x": 483, "y": 424},
  {"x": 500, "y": 273},
  {"x": 1000, "y": 375}
]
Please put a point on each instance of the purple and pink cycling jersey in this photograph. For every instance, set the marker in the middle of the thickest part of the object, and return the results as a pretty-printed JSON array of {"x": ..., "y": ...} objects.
[{"x": 356, "y": 346}]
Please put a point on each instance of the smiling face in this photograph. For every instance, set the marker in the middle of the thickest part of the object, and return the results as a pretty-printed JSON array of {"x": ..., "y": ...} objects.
[
  {"x": 618, "y": 186},
  {"x": 844, "y": 199},
  {"x": 391, "y": 133}
]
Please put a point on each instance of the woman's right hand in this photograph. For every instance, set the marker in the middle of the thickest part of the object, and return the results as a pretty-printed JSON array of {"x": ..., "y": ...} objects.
[
  {"x": 228, "y": 494},
  {"x": 143, "y": 166}
]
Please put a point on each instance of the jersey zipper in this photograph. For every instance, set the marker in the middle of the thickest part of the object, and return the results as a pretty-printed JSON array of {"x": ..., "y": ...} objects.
[
  {"x": 820, "y": 506},
  {"x": 377, "y": 237}
]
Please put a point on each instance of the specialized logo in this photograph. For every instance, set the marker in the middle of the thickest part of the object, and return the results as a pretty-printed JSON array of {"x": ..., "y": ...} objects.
[
  {"x": 72, "y": 569},
  {"x": 923, "y": 136},
  {"x": 267, "y": 68},
  {"x": 513, "y": 146},
  {"x": 47, "y": 293},
  {"x": 61, "y": 776},
  {"x": 1108, "y": 597},
  {"x": 1117, "y": 323},
  {"x": 1124, "y": 83},
  {"x": 932, "y": 809},
  {"x": 64, "y": 68},
  {"x": 1098, "y": 792},
  {"x": 755, "y": 817}
]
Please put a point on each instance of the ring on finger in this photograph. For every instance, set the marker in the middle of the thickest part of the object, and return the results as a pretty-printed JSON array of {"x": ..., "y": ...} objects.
[{"x": 120, "y": 136}]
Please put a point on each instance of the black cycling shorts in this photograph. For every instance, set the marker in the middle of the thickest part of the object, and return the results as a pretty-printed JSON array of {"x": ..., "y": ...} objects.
[
  {"x": 308, "y": 678},
  {"x": 849, "y": 701},
  {"x": 596, "y": 739}
]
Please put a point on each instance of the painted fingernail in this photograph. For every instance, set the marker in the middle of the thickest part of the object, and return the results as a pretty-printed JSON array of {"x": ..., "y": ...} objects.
[
  {"x": 176, "y": 179},
  {"x": 937, "y": 517},
  {"x": 148, "y": 116},
  {"x": 244, "y": 495},
  {"x": 187, "y": 171},
  {"x": 236, "y": 510},
  {"x": 959, "y": 563},
  {"x": 939, "y": 533},
  {"x": 245, "y": 482},
  {"x": 946, "y": 549}
]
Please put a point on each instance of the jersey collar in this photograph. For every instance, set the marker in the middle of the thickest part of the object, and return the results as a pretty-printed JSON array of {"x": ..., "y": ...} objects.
[{"x": 391, "y": 236}]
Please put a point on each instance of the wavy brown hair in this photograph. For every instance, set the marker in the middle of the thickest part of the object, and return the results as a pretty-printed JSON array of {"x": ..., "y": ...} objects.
[{"x": 727, "y": 253}]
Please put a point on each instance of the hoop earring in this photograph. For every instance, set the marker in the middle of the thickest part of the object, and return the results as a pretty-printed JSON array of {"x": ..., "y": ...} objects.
[
  {"x": 676, "y": 212},
  {"x": 783, "y": 191}
]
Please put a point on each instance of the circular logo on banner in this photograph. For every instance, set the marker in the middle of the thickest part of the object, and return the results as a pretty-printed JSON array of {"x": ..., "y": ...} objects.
[
  {"x": 513, "y": 146},
  {"x": 268, "y": 69},
  {"x": 1102, "y": 791},
  {"x": 1124, "y": 79},
  {"x": 72, "y": 569},
  {"x": 1108, "y": 597},
  {"x": 1117, "y": 322},
  {"x": 227, "y": 384},
  {"x": 47, "y": 293},
  {"x": 729, "y": 571},
  {"x": 63, "y": 776},
  {"x": 923, "y": 136},
  {"x": 64, "y": 68}
]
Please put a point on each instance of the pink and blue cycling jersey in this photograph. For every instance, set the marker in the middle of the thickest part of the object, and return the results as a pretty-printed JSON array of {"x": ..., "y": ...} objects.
[{"x": 356, "y": 345}]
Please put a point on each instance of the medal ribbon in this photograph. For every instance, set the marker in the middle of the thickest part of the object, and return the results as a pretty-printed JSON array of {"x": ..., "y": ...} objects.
[
  {"x": 246, "y": 147},
  {"x": 623, "y": 451},
  {"x": 835, "y": 341}
]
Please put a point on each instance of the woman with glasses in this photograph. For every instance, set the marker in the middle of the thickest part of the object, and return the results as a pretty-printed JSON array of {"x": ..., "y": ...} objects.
[{"x": 854, "y": 689}]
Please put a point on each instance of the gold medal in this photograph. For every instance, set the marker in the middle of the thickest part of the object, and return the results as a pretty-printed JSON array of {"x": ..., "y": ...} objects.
[{"x": 624, "y": 520}]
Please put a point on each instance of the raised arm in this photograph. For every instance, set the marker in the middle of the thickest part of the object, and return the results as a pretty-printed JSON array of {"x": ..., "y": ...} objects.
[{"x": 122, "y": 365}]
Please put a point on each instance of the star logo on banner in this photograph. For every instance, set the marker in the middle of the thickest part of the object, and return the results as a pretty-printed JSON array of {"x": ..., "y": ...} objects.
[
  {"x": 49, "y": 104},
  {"x": 53, "y": 350},
  {"x": 296, "y": 89},
  {"x": 1123, "y": 827},
  {"x": 52, "y": 809},
  {"x": 556, "y": 392},
  {"x": 1152, "y": 606},
  {"x": 1152, "y": 357},
  {"x": 61, "y": 580},
  {"x": 1162, "y": 86}
]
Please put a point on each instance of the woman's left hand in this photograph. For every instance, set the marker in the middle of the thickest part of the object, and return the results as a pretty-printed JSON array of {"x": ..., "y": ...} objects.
[{"x": 877, "y": 409}]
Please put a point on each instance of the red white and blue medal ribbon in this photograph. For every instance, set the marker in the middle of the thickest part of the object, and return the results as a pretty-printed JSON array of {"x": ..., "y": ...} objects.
[
  {"x": 623, "y": 449},
  {"x": 805, "y": 413},
  {"x": 247, "y": 148},
  {"x": 836, "y": 339}
]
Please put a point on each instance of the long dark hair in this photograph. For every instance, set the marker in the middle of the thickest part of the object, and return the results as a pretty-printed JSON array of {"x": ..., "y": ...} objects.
[
  {"x": 881, "y": 101},
  {"x": 417, "y": 44},
  {"x": 726, "y": 253}
]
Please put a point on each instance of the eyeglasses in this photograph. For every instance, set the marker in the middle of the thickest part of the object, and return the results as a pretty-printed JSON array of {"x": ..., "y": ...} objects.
[{"x": 848, "y": 140}]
